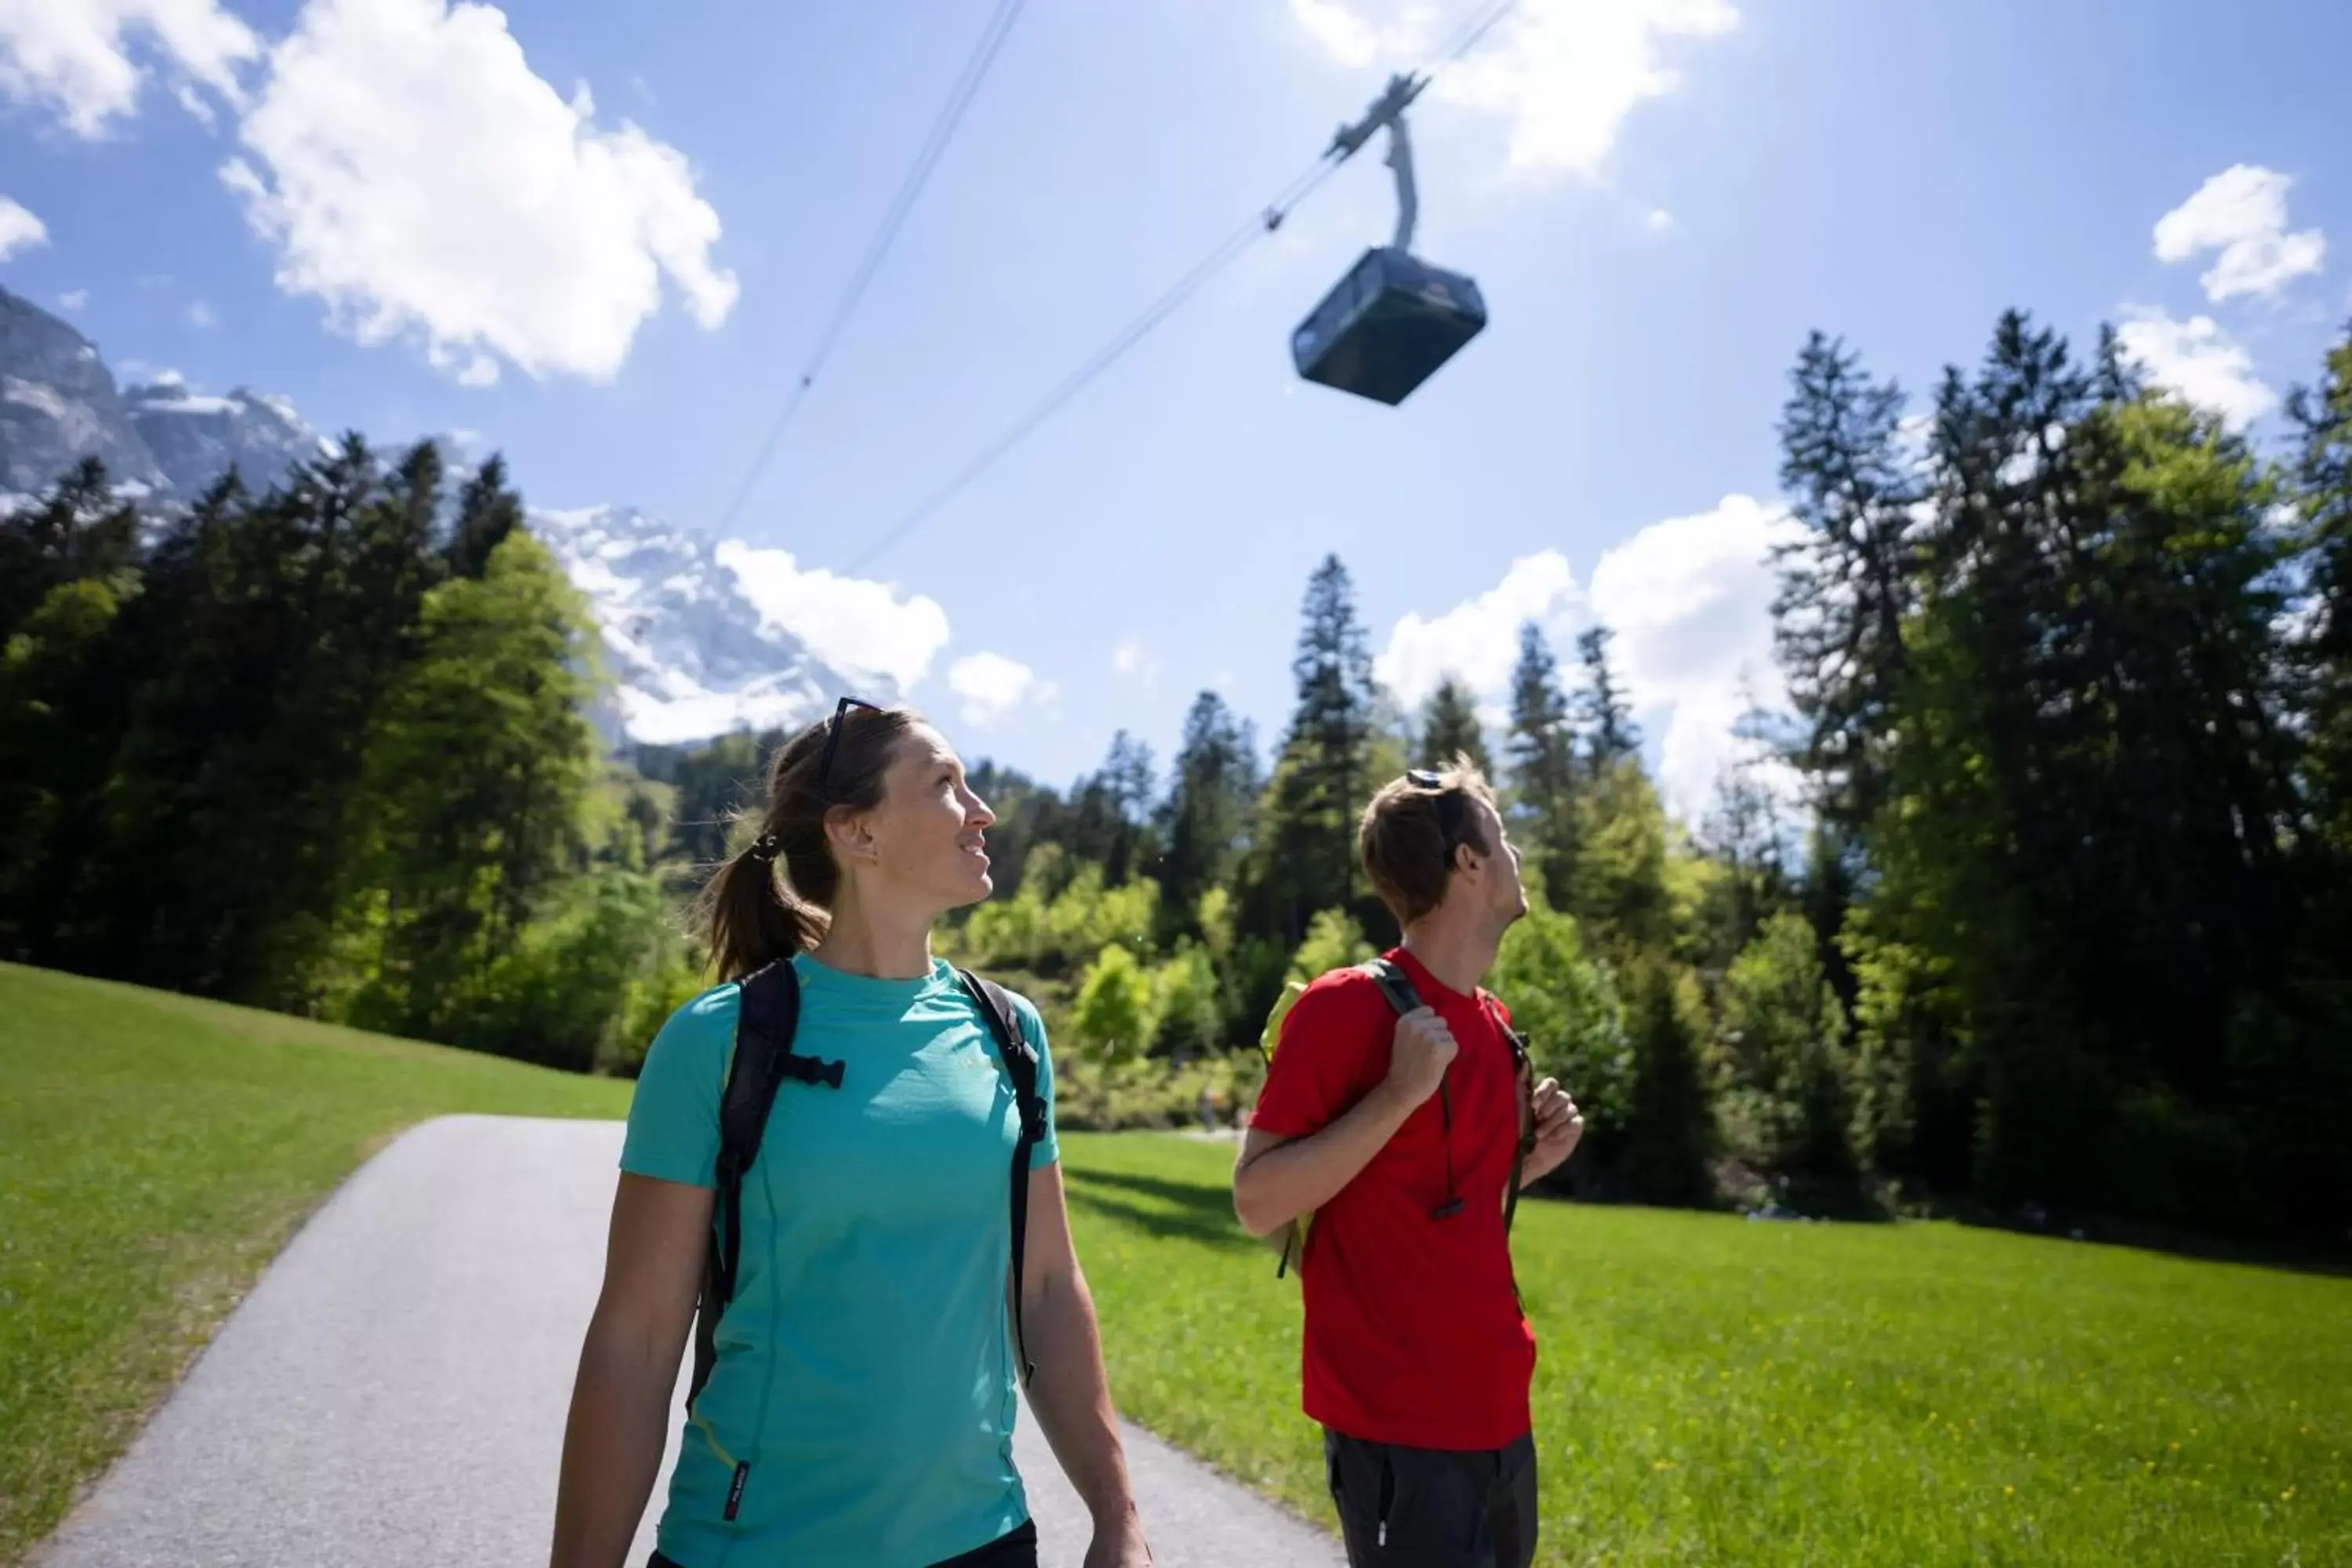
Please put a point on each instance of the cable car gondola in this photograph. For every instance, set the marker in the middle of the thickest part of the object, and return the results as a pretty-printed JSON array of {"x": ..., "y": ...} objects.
[{"x": 1393, "y": 319}]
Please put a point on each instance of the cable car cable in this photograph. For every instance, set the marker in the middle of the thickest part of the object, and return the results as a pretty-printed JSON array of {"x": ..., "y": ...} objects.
[
  {"x": 1227, "y": 250},
  {"x": 1467, "y": 35},
  {"x": 935, "y": 146}
]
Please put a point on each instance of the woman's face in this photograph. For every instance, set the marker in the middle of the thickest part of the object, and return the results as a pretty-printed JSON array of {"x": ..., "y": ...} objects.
[{"x": 928, "y": 833}]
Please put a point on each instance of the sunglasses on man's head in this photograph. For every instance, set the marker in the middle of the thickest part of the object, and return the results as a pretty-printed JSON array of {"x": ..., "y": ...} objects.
[
  {"x": 1449, "y": 805},
  {"x": 833, "y": 735}
]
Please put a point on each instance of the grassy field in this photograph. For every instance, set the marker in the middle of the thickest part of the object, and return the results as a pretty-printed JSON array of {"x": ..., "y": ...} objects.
[
  {"x": 1711, "y": 1391},
  {"x": 154, "y": 1153},
  {"x": 1716, "y": 1390}
]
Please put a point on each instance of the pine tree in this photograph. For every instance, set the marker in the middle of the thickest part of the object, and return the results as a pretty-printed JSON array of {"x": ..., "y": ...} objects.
[
  {"x": 1745, "y": 834},
  {"x": 1110, "y": 811},
  {"x": 1205, "y": 823},
  {"x": 1543, "y": 772},
  {"x": 274, "y": 629},
  {"x": 1669, "y": 1125},
  {"x": 1450, "y": 727},
  {"x": 487, "y": 513},
  {"x": 1307, "y": 860},
  {"x": 208, "y": 850},
  {"x": 1846, "y": 587},
  {"x": 1603, "y": 715},
  {"x": 2324, "y": 476}
]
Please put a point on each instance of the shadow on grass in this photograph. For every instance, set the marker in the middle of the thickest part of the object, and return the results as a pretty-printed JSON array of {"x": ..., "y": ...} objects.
[{"x": 1201, "y": 1212}]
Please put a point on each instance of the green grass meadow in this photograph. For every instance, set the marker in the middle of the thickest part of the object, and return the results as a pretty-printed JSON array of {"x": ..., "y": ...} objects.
[
  {"x": 155, "y": 1151},
  {"x": 1710, "y": 1390}
]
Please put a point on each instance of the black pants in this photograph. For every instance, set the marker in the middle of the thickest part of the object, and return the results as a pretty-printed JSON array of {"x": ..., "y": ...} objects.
[
  {"x": 1018, "y": 1550},
  {"x": 1424, "y": 1507}
]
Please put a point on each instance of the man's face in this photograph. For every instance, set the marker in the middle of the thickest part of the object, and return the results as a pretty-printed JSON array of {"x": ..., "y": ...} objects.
[{"x": 1491, "y": 882}]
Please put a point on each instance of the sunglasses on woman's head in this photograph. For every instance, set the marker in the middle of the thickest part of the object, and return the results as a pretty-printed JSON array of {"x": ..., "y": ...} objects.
[{"x": 833, "y": 735}]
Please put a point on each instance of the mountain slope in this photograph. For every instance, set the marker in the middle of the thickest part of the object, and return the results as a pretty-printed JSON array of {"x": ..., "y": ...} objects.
[
  {"x": 194, "y": 438},
  {"x": 691, "y": 654},
  {"x": 58, "y": 404}
]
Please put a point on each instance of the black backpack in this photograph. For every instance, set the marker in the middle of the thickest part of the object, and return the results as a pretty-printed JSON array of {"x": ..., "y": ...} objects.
[
  {"x": 1398, "y": 987},
  {"x": 763, "y": 1059}
]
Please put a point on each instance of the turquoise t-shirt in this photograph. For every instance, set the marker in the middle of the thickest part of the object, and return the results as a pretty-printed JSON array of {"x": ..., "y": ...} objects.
[{"x": 865, "y": 1370}]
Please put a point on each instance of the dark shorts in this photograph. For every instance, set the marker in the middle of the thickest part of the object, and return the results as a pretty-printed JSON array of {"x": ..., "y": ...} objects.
[
  {"x": 1424, "y": 1507},
  {"x": 1018, "y": 1550}
]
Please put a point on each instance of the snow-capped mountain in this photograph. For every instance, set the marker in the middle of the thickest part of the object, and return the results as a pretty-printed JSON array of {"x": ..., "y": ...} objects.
[
  {"x": 690, "y": 652},
  {"x": 58, "y": 404},
  {"x": 161, "y": 442},
  {"x": 195, "y": 438}
]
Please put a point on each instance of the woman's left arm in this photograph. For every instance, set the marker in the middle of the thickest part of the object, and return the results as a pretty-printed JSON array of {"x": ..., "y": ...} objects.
[{"x": 1070, "y": 1395}]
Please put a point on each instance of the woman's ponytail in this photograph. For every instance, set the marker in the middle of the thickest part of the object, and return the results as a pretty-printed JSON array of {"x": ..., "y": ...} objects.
[{"x": 752, "y": 918}]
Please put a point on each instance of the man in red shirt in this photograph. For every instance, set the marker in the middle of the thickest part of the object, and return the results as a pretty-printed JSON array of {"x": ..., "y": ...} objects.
[{"x": 1398, "y": 1134}]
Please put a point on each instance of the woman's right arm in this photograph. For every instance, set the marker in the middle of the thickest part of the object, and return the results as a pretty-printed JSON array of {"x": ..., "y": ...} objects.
[{"x": 628, "y": 1369}]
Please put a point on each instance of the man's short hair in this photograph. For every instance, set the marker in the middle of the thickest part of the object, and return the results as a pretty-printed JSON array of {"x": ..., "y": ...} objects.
[{"x": 1410, "y": 829}]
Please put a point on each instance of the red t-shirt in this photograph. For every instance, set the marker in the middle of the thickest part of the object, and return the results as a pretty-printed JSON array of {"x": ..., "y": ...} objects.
[{"x": 1413, "y": 1335}]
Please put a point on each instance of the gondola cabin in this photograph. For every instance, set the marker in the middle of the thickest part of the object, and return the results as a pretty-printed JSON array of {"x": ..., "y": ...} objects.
[{"x": 1387, "y": 326}]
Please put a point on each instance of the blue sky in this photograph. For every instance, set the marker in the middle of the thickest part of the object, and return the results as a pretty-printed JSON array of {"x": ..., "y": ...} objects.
[{"x": 605, "y": 238}]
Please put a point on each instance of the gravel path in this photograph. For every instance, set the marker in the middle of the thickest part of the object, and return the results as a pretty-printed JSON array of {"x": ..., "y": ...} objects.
[{"x": 393, "y": 1389}]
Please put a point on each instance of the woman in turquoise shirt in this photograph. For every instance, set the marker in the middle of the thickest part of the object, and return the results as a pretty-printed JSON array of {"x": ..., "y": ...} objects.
[{"x": 860, "y": 1410}]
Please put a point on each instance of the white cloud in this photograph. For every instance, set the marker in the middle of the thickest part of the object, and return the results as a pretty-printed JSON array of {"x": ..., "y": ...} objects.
[
  {"x": 857, "y": 626},
  {"x": 19, "y": 229},
  {"x": 1133, "y": 659},
  {"x": 1562, "y": 75},
  {"x": 2200, "y": 361},
  {"x": 2240, "y": 212},
  {"x": 419, "y": 178},
  {"x": 1660, "y": 221},
  {"x": 195, "y": 104},
  {"x": 1691, "y": 602},
  {"x": 992, "y": 686},
  {"x": 74, "y": 56},
  {"x": 73, "y": 299},
  {"x": 202, "y": 315},
  {"x": 1478, "y": 641},
  {"x": 1341, "y": 31}
]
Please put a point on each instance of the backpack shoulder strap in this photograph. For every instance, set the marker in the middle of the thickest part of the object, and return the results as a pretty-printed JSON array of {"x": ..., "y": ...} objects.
[
  {"x": 767, "y": 1014},
  {"x": 1394, "y": 983},
  {"x": 998, "y": 1011},
  {"x": 1002, "y": 1014},
  {"x": 1523, "y": 1069}
]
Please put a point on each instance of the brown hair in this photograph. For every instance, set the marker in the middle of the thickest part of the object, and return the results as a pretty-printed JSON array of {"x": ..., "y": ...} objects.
[
  {"x": 1402, "y": 839},
  {"x": 774, "y": 897}
]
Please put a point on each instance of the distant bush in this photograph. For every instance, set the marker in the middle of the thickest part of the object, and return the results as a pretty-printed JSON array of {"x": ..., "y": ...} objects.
[{"x": 1092, "y": 1095}]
